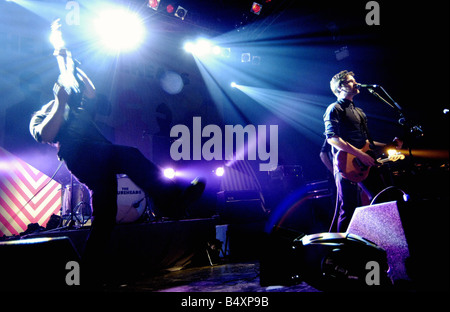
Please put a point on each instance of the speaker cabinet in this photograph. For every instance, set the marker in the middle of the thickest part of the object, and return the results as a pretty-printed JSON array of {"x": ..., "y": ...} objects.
[
  {"x": 382, "y": 225},
  {"x": 415, "y": 236},
  {"x": 325, "y": 261},
  {"x": 36, "y": 264}
]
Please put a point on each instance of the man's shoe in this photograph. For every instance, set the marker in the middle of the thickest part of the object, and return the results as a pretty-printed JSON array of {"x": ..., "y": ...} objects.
[
  {"x": 193, "y": 192},
  {"x": 175, "y": 204}
]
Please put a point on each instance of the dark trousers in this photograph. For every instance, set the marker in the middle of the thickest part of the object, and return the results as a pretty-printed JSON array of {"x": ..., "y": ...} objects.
[
  {"x": 348, "y": 197},
  {"x": 96, "y": 165}
]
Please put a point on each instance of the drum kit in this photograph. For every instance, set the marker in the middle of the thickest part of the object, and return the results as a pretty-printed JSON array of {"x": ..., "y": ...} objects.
[{"x": 133, "y": 204}]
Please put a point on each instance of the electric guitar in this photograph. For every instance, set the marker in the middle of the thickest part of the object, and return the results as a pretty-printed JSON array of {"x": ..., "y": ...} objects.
[
  {"x": 351, "y": 167},
  {"x": 69, "y": 77}
]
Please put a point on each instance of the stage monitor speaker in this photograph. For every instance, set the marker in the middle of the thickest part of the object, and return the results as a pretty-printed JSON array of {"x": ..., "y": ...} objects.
[
  {"x": 381, "y": 224},
  {"x": 36, "y": 264},
  {"x": 342, "y": 262},
  {"x": 325, "y": 261},
  {"x": 415, "y": 236}
]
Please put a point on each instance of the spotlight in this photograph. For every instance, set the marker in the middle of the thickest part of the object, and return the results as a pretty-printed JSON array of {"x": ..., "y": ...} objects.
[
  {"x": 219, "y": 171},
  {"x": 181, "y": 12},
  {"x": 233, "y": 84},
  {"x": 119, "y": 29},
  {"x": 216, "y": 50},
  {"x": 342, "y": 53},
  {"x": 154, "y": 4},
  {"x": 245, "y": 57},
  {"x": 256, "y": 8},
  {"x": 256, "y": 60},
  {"x": 226, "y": 52},
  {"x": 171, "y": 82},
  {"x": 199, "y": 48},
  {"x": 170, "y": 9},
  {"x": 189, "y": 47},
  {"x": 203, "y": 47},
  {"x": 169, "y": 173}
]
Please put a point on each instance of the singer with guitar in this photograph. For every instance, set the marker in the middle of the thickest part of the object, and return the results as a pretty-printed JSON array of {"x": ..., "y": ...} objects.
[
  {"x": 66, "y": 122},
  {"x": 354, "y": 167}
]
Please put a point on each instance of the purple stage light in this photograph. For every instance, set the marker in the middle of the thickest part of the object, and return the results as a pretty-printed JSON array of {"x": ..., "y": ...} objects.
[
  {"x": 220, "y": 171},
  {"x": 169, "y": 173}
]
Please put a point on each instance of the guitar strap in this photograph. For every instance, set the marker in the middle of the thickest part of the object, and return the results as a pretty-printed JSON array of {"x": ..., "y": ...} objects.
[{"x": 366, "y": 128}]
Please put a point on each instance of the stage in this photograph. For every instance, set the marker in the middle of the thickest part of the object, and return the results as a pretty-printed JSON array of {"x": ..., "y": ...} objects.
[
  {"x": 207, "y": 256},
  {"x": 164, "y": 256},
  {"x": 135, "y": 249}
]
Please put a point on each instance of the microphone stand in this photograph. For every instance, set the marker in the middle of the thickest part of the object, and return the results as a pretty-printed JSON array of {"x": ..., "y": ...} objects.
[
  {"x": 403, "y": 120},
  {"x": 394, "y": 106}
]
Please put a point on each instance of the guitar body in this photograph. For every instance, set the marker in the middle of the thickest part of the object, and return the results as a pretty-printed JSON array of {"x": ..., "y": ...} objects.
[{"x": 350, "y": 167}]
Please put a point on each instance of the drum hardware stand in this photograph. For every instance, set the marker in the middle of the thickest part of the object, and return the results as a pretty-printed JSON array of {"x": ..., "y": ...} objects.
[
  {"x": 70, "y": 224},
  {"x": 149, "y": 214}
]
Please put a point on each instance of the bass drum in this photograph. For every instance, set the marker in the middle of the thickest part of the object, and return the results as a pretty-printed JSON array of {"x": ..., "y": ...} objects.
[{"x": 131, "y": 200}]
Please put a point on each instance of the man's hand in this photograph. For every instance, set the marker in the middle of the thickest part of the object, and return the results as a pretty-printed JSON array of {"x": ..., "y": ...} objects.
[
  {"x": 398, "y": 143},
  {"x": 60, "y": 93},
  {"x": 365, "y": 159},
  {"x": 342, "y": 145},
  {"x": 89, "y": 90},
  {"x": 61, "y": 52}
]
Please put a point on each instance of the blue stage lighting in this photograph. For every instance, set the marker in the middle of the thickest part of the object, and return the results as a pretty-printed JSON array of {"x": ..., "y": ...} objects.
[
  {"x": 204, "y": 47},
  {"x": 119, "y": 29}
]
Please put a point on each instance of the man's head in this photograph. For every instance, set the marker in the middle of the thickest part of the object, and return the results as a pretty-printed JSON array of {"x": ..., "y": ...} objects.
[{"x": 344, "y": 84}]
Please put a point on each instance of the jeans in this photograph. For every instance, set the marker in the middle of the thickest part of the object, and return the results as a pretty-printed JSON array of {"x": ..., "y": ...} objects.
[
  {"x": 96, "y": 165},
  {"x": 348, "y": 197}
]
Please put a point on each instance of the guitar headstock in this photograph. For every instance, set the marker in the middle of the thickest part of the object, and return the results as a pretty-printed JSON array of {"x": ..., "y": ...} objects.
[
  {"x": 56, "y": 25},
  {"x": 394, "y": 155},
  {"x": 56, "y": 35}
]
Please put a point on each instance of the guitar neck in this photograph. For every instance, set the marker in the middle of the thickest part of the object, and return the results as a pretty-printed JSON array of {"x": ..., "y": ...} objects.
[
  {"x": 391, "y": 158},
  {"x": 66, "y": 64},
  {"x": 61, "y": 64},
  {"x": 382, "y": 161}
]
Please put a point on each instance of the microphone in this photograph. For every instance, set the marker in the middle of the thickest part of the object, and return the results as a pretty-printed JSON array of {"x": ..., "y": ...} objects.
[{"x": 359, "y": 86}]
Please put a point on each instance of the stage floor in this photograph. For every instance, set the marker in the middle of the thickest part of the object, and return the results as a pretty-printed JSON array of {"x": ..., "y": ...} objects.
[
  {"x": 226, "y": 277},
  {"x": 172, "y": 257}
]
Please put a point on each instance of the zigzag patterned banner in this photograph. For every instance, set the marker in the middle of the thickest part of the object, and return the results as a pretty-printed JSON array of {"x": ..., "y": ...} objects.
[{"x": 19, "y": 182}]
